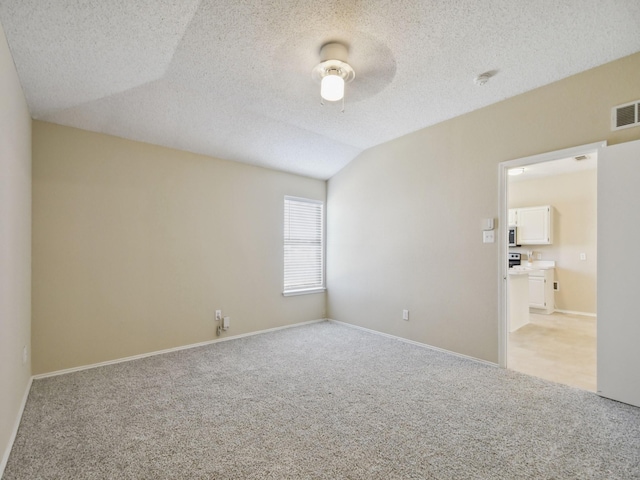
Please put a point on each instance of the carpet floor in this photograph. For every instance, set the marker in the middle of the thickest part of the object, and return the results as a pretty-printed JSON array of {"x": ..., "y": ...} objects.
[{"x": 320, "y": 401}]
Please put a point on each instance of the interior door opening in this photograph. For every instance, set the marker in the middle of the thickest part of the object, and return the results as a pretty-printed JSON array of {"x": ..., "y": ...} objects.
[{"x": 549, "y": 211}]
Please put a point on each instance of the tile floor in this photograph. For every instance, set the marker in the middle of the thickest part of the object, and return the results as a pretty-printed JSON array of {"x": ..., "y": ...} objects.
[{"x": 559, "y": 347}]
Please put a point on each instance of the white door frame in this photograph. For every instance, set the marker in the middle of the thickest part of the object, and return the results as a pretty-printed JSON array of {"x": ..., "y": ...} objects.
[{"x": 503, "y": 264}]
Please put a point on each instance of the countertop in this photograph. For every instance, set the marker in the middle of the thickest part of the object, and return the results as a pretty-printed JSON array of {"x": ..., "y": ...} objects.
[
  {"x": 534, "y": 267},
  {"x": 518, "y": 272}
]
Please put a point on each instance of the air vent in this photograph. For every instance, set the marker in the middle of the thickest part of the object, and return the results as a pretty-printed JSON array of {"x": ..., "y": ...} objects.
[{"x": 625, "y": 116}]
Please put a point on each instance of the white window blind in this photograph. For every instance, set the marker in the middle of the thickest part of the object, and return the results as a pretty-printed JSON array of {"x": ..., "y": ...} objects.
[{"x": 303, "y": 245}]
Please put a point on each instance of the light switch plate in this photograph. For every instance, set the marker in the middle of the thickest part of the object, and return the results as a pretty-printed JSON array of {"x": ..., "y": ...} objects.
[{"x": 488, "y": 236}]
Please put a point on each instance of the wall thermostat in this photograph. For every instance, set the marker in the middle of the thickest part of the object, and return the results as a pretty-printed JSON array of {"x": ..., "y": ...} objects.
[{"x": 487, "y": 224}]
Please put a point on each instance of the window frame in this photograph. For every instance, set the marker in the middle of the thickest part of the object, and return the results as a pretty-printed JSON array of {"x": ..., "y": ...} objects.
[{"x": 291, "y": 291}]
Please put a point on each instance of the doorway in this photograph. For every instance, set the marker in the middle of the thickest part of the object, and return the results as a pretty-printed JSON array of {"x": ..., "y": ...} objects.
[{"x": 549, "y": 300}]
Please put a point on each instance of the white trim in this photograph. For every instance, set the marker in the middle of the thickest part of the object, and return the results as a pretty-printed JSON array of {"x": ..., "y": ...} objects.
[
  {"x": 573, "y": 312},
  {"x": 16, "y": 425},
  {"x": 413, "y": 342},
  {"x": 304, "y": 199},
  {"x": 555, "y": 155},
  {"x": 306, "y": 291},
  {"x": 502, "y": 228},
  {"x": 169, "y": 350},
  {"x": 503, "y": 263}
]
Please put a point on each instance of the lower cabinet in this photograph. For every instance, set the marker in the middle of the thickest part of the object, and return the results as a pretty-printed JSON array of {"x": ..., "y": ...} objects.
[{"x": 541, "y": 295}]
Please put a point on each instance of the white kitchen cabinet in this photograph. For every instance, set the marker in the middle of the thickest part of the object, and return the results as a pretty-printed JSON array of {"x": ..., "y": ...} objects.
[
  {"x": 513, "y": 217},
  {"x": 518, "y": 300},
  {"x": 541, "y": 294},
  {"x": 536, "y": 292},
  {"x": 535, "y": 225}
]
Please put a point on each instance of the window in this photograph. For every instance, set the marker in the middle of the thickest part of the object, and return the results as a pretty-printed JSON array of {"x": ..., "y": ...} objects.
[{"x": 303, "y": 246}]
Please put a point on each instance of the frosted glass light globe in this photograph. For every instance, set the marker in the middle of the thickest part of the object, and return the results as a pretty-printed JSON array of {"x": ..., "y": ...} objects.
[{"x": 332, "y": 88}]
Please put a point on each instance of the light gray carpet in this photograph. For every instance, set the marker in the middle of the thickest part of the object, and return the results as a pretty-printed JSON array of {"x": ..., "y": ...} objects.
[{"x": 319, "y": 401}]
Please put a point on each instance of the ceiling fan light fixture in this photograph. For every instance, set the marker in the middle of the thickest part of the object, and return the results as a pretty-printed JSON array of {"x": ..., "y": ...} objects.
[{"x": 333, "y": 71}]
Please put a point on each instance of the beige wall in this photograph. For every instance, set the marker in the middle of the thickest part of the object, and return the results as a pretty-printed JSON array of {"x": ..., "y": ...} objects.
[
  {"x": 404, "y": 218},
  {"x": 15, "y": 245},
  {"x": 135, "y": 246},
  {"x": 574, "y": 198}
]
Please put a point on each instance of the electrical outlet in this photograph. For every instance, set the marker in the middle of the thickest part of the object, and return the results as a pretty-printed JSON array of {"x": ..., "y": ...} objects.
[
  {"x": 225, "y": 323},
  {"x": 405, "y": 315},
  {"x": 539, "y": 256},
  {"x": 218, "y": 315},
  {"x": 583, "y": 256}
]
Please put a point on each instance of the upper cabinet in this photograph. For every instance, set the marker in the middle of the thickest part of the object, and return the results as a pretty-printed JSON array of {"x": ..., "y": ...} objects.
[{"x": 535, "y": 224}]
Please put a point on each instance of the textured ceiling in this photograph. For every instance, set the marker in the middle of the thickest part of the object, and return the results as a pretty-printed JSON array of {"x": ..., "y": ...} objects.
[
  {"x": 556, "y": 167},
  {"x": 232, "y": 79}
]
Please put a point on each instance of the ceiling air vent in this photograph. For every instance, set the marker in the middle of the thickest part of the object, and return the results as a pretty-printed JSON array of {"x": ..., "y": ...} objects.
[{"x": 625, "y": 116}]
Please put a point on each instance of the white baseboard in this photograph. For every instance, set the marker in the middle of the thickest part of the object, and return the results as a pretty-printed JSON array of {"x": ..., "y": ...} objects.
[
  {"x": 572, "y": 312},
  {"x": 16, "y": 425},
  {"x": 169, "y": 350},
  {"x": 413, "y": 342}
]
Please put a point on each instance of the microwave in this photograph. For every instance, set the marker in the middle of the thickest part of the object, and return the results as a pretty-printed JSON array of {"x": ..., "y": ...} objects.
[{"x": 513, "y": 237}]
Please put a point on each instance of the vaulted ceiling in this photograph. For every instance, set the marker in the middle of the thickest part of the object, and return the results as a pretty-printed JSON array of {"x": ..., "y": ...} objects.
[{"x": 232, "y": 79}]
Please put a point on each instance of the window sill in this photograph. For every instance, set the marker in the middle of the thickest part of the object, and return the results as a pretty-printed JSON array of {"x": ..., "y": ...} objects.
[{"x": 291, "y": 293}]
